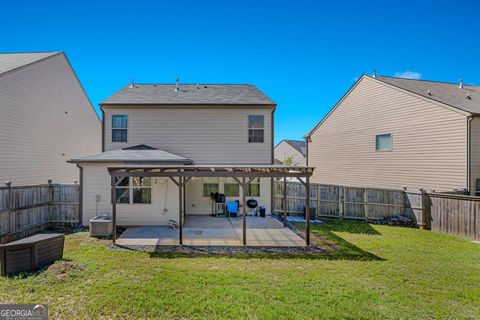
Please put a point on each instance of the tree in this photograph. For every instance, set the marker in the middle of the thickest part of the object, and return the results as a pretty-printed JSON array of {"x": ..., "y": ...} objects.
[{"x": 288, "y": 161}]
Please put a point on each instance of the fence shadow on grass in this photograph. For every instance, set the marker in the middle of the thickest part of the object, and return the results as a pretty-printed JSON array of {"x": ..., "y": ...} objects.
[{"x": 325, "y": 236}]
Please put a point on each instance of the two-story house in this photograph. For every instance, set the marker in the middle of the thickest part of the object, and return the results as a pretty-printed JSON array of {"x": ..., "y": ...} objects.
[
  {"x": 291, "y": 152},
  {"x": 46, "y": 118},
  {"x": 177, "y": 125}
]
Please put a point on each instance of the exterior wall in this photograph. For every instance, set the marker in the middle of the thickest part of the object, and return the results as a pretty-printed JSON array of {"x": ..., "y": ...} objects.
[
  {"x": 429, "y": 142},
  {"x": 45, "y": 120},
  {"x": 164, "y": 206},
  {"x": 196, "y": 203},
  {"x": 475, "y": 153},
  {"x": 206, "y": 135},
  {"x": 96, "y": 181},
  {"x": 283, "y": 150}
]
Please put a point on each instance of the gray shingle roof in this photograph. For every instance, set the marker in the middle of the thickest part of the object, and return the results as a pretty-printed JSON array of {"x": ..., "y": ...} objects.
[
  {"x": 136, "y": 154},
  {"x": 206, "y": 94},
  {"x": 300, "y": 146},
  {"x": 11, "y": 61},
  {"x": 447, "y": 93}
]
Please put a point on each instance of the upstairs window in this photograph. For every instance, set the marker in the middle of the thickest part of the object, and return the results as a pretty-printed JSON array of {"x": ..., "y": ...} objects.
[
  {"x": 119, "y": 128},
  {"x": 255, "y": 128},
  {"x": 383, "y": 142}
]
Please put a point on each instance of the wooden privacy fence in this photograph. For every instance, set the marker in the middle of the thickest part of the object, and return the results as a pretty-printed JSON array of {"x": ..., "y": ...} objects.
[
  {"x": 25, "y": 210},
  {"x": 449, "y": 213},
  {"x": 454, "y": 214},
  {"x": 345, "y": 202}
]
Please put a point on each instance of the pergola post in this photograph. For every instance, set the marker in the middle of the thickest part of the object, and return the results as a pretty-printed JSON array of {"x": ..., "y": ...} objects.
[
  {"x": 285, "y": 201},
  {"x": 307, "y": 210},
  {"x": 180, "y": 210},
  {"x": 114, "y": 209},
  {"x": 306, "y": 184},
  {"x": 244, "y": 212}
]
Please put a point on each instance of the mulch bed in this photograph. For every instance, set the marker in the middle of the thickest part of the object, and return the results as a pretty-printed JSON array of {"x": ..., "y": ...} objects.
[{"x": 224, "y": 250}]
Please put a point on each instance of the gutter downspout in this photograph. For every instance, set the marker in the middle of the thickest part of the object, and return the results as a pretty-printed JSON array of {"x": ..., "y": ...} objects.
[
  {"x": 307, "y": 140},
  {"x": 272, "y": 180},
  {"x": 80, "y": 205},
  {"x": 469, "y": 154},
  {"x": 103, "y": 129}
]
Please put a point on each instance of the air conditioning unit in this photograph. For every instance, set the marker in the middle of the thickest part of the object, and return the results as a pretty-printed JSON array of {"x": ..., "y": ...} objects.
[{"x": 101, "y": 226}]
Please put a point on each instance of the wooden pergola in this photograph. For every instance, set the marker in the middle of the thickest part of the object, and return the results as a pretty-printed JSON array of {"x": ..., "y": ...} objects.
[{"x": 243, "y": 174}]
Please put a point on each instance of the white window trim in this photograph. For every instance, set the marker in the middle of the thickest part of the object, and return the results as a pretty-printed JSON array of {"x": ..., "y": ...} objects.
[
  {"x": 130, "y": 193},
  {"x": 248, "y": 128},
  {"x": 391, "y": 142},
  {"x": 128, "y": 122}
]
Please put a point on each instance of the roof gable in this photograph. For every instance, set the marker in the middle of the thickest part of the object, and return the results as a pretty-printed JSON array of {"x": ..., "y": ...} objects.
[
  {"x": 401, "y": 84},
  {"x": 298, "y": 145},
  {"x": 13, "y": 61},
  {"x": 189, "y": 94}
]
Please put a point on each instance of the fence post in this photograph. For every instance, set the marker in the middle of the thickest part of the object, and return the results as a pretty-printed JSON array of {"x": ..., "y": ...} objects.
[
  {"x": 341, "y": 204},
  {"x": 425, "y": 210},
  {"x": 11, "y": 224},
  {"x": 49, "y": 203},
  {"x": 365, "y": 204},
  {"x": 317, "y": 207}
]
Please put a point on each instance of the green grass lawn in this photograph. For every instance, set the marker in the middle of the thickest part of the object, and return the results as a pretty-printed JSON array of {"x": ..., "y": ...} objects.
[{"x": 370, "y": 271}]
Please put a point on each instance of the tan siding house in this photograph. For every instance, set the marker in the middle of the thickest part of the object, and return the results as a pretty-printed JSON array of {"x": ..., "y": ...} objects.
[
  {"x": 395, "y": 133},
  {"x": 207, "y": 135},
  {"x": 45, "y": 119},
  {"x": 185, "y": 124}
]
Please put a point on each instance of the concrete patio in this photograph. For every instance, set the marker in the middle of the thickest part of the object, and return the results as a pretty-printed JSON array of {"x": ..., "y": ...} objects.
[{"x": 215, "y": 231}]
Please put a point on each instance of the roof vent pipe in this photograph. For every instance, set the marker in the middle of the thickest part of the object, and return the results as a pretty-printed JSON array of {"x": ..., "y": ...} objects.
[
  {"x": 176, "y": 84},
  {"x": 429, "y": 92},
  {"x": 132, "y": 84},
  {"x": 374, "y": 73},
  {"x": 460, "y": 84}
]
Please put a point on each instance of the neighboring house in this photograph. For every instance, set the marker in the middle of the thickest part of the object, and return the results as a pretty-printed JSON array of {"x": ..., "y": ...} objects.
[
  {"x": 291, "y": 149},
  {"x": 45, "y": 119},
  {"x": 169, "y": 125},
  {"x": 393, "y": 133}
]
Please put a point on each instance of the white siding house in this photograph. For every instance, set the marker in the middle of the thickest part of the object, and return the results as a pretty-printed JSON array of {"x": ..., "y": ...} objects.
[
  {"x": 45, "y": 119},
  {"x": 291, "y": 150},
  {"x": 394, "y": 133},
  {"x": 153, "y": 124}
]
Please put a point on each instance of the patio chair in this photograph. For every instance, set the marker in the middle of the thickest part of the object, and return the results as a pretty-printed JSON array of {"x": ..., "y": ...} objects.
[{"x": 232, "y": 208}]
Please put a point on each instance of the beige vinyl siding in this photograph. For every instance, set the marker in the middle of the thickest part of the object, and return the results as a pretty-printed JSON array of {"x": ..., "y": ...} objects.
[
  {"x": 196, "y": 203},
  {"x": 205, "y": 135},
  {"x": 429, "y": 142},
  {"x": 97, "y": 182},
  {"x": 45, "y": 120},
  {"x": 475, "y": 153},
  {"x": 283, "y": 150}
]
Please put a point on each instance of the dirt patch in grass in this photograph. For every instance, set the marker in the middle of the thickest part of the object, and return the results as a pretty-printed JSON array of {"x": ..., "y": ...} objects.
[{"x": 60, "y": 269}]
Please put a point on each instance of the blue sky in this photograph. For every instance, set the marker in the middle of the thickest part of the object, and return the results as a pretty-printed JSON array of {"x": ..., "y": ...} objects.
[{"x": 303, "y": 54}]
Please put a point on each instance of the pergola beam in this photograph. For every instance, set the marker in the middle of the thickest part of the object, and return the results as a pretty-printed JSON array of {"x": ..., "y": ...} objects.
[
  {"x": 184, "y": 174},
  {"x": 209, "y": 174}
]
